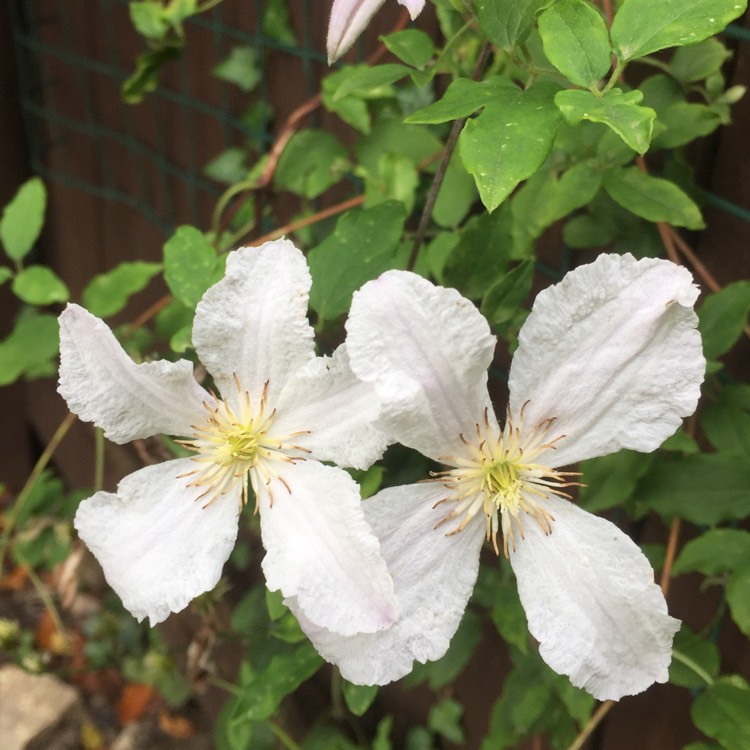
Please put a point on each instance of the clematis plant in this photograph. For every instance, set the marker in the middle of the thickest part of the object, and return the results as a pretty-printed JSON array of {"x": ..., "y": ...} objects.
[
  {"x": 166, "y": 533},
  {"x": 609, "y": 358},
  {"x": 349, "y": 18}
]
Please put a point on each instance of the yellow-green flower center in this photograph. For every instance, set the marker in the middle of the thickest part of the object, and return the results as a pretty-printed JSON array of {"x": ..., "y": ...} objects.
[{"x": 499, "y": 476}]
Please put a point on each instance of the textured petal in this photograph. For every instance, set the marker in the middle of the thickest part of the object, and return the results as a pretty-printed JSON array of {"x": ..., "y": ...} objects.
[
  {"x": 591, "y": 602},
  {"x": 348, "y": 20},
  {"x": 158, "y": 546},
  {"x": 338, "y": 410},
  {"x": 320, "y": 549},
  {"x": 128, "y": 401},
  {"x": 612, "y": 352},
  {"x": 426, "y": 350},
  {"x": 434, "y": 576},
  {"x": 253, "y": 323}
]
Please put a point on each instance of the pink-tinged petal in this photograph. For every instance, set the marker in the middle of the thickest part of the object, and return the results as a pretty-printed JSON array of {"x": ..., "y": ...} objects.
[
  {"x": 348, "y": 20},
  {"x": 320, "y": 549},
  {"x": 253, "y": 323},
  {"x": 591, "y": 602},
  {"x": 434, "y": 576},
  {"x": 612, "y": 352},
  {"x": 158, "y": 546},
  {"x": 426, "y": 350},
  {"x": 101, "y": 384},
  {"x": 336, "y": 412}
]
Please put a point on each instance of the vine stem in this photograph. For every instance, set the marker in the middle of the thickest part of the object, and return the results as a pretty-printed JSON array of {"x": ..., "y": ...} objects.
[
  {"x": 437, "y": 180},
  {"x": 592, "y": 724},
  {"x": 36, "y": 472},
  {"x": 281, "y": 734},
  {"x": 666, "y": 571}
]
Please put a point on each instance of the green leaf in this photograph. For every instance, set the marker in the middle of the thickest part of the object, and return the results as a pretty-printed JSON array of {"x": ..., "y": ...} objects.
[
  {"x": 679, "y": 486},
  {"x": 445, "y": 719},
  {"x": 462, "y": 98},
  {"x": 586, "y": 231},
  {"x": 641, "y": 27},
  {"x": 23, "y": 218},
  {"x": 396, "y": 179},
  {"x": 576, "y": 41},
  {"x": 482, "y": 254},
  {"x": 367, "y": 77},
  {"x": 390, "y": 135},
  {"x": 722, "y": 712},
  {"x": 738, "y": 596},
  {"x": 190, "y": 265},
  {"x": 683, "y": 123},
  {"x": 351, "y": 109},
  {"x": 5, "y": 274},
  {"x": 362, "y": 246},
  {"x": 508, "y": 22},
  {"x": 610, "y": 481},
  {"x": 509, "y": 617},
  {"x": 148, "y": 18},
  {"x": 698, "y": 61},
  {"x": 240, "y": 68},
  {"x": 506, "y": 295},
  {"x": 509, "y": 140},
  {"x": 40, "y": 285},
  {"x": 726, "y": 421},
  {"x": 652, "y": 198},
  {"x": 692, "y": 650},
  {"x": 229, "y": 166},
  {"x": 107, "y": 293},
  {"x": 29, "y": 348},
  {"x": 382, "y": 739},
  {"x": 456, "y": 195},
  {"x": 358, "y": 698},
  {"x": 261, "y": 695},
  {"x": 713, "y": 552},
  {"x": 722, "y": 316},
  {"x": 411, "y": 46},
  {"x": 145, "y": 77},
  {"x": 312, "y": 161},
  {"x": 621, "y": 112},
  {"x": 276, "y": 24}
]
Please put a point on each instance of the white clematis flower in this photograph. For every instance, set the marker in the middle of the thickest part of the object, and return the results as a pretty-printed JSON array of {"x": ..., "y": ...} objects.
[
  {"x": 349, "y": 18},
  {"x": 609, "y": 358},
  {"x": 163, "y": 538}
]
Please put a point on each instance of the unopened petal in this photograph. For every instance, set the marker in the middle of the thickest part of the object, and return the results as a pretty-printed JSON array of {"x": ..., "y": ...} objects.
[
  {"x": 101, "y": 384},
  {"x": 426, "y": 350},
  {"x": 434, "y": 576},
  {"x": 333, "y": 411},
  {"x": 413, "y": 6},
  {"x": 253, "y": 323},
  {"x": 613, "y": 354},
  {"x": 348, "y": 20},
  {"x": 320, "y": 549},
  {"x": 158, "y": 546},
  {"x": 591, "y": 602}
]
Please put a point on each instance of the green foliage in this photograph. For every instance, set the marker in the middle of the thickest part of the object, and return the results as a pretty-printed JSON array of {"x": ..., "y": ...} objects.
[
  {"x": 107, "y": 293},
  {"x": 22, "y": 219},
  {"x": 190, "y": 265},
  {"x": 312, "y": 162},
  {"x": 507, "y": 23},
  {"x": 716, "y": 551},
  {"x": 722, "y": 712},
  {"x": 411, "y": 46},
  {"x": 39, "y": 285},
  {"x": 240, "y": 68},
  {"x": 358, "y": 698},
  {"x": 722, "y": 317},
  {"x": 29, "y": 350}
]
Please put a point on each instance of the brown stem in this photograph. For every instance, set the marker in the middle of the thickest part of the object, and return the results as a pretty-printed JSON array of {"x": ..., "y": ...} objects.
[
  {"x": 149, "y": 313},
  {"x": 592, "y": 724},
  {"x": 705, "y": 275},
  {"x": 666, "y": 571}
]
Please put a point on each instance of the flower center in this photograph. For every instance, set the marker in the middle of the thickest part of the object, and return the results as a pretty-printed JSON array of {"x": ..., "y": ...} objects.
[
  {"x": 501, "y": 478},
  {"x": 234, "y": 442}
]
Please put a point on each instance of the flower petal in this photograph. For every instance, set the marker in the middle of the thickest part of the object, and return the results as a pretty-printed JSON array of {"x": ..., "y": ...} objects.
[
  {"x": 325, "y": 399},
  {"x": 434, "y": 576},
  {"x": 413, "y": 6},
  {"x": 158, "y": 546},
  {"x": 426, "y": 350},
  {"x": 348, "y": 20},
  {"x": 320, "y": 549},
  {"x": 128, "y": 401},
  {"x": 253, "y": 323},
  {"x": 612, "y": 352},
  {"x": 591, "y": 602}
]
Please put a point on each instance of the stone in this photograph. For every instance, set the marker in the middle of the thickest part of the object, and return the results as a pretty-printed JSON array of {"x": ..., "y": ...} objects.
[{"x": 37, "y": 711}]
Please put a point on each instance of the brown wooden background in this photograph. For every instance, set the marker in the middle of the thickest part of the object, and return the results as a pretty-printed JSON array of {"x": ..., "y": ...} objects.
[{"x": 88, "y": 233}]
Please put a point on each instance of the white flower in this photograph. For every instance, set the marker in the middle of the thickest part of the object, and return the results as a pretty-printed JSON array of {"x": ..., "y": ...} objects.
[
  {"x": 609, "y": 358},
  {"x": 349, "y": 18},
  {"x": 164, "y": 537}
]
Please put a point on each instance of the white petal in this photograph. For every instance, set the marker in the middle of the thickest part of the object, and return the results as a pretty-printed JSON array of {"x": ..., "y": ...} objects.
[
  {"x": 320, "y": 549},
  {"x": 434, "y": 576},
  {"x": 426, "y": 350},
  {"x": 253, "y": 323},
  {"x": 591, "y": 602},
  {"x": 128, "y": 401},
  {"x": 413, "y": 6},
  {"x": 612, "y": 352},
  {"x": 158, "y": 546},
  {"x": 324, "y": 399},
  {"x": 348, "y": 20}
]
